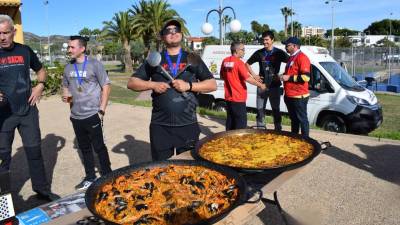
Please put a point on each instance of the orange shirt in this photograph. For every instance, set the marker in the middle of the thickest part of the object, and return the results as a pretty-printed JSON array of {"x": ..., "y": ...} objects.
[
  {"x": 297, "y": 64},
  {"x": 235, "y": 74}
]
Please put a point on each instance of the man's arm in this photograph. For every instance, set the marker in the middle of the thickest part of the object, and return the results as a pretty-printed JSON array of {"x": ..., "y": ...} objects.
[
  {"x": 38, "y": 89},
  {"x": 254, "y": 82},
  {"x": 252, "y": 73},
  {"x": 105, "y": 93},
  {"x": 137, "y": 84}
]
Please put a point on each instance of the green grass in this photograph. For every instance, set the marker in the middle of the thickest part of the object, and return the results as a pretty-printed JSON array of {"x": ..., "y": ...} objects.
[{"x": 390, "y": 128}]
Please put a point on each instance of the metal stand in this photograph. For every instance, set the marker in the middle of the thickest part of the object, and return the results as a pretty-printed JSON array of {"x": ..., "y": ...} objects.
[{"x": 278, "y": 205}]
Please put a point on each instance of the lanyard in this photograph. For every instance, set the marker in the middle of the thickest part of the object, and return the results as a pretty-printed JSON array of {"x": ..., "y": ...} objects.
[
  {"x": 83, "y": 71},
  {"x": 173, "y": 69},
  {"x": 267, "y": 54},
  {"x": 291, "y": 60}
]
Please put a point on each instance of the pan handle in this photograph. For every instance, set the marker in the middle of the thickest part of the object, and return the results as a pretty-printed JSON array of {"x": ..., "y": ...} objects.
[
  {"x": 251, "y": 192},
  {"x": 258, "y": 127},
  {"x": 326, "y": 145}
]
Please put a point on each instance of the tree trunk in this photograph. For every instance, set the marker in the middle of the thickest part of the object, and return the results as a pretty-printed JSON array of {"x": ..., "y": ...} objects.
[
  {"x": 127, "y": 57},
  {"x": 286, "y": 26}
]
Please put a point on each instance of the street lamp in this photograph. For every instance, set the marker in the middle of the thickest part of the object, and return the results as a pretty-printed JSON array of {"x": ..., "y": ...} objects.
[
  {"x": 291, "y": 17},
  {"x": 234, "y": 25},
  {"x": 46, "y": 3},
  {"x": 333, "y": 28},
  {"x": 390, "y": 47}
]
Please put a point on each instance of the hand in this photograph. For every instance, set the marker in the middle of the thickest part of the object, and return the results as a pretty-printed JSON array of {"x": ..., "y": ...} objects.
[
  {"x": 285, "y": 77},
  {"x": 1, "y": 97},
  {"x": 258, "y": 78},
  {"x": 101, "y": 114},
  {"x": 181, "y": 85},
  {"x": 263, "y": 87},
  {"x": 160, "y": 87},
  {"x": 36, "y": 94},
  {"x": 64, "y": 98}
]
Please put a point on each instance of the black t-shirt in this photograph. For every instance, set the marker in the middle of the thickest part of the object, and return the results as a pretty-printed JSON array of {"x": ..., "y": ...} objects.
[
  {"x": 269, "y": 63},
  {"x": 171, "y": 108},
  {"x": 15, "y": 80}
]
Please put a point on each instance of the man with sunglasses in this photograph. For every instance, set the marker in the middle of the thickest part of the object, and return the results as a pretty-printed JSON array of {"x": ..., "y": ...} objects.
[
  {"x": 18, "y": 100},
  {"x": 295, "y": 82},
  {"x": 235, "y": 75},
  {"x": 269, "y": 60},
  {"x": 174, "y": 122}
]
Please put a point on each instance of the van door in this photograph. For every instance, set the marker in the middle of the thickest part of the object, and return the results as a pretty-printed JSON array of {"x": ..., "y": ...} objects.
[{"x": 320, "y": 94}]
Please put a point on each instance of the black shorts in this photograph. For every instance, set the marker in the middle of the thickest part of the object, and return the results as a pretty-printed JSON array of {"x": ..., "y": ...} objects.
[{"x": 164, "y": 139}]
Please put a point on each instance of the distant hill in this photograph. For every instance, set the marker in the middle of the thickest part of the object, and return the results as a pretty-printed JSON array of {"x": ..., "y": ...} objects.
[{"x": 31, "y": 37}]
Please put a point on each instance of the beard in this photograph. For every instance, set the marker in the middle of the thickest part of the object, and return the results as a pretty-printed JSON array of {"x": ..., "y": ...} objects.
[{"x": 173, "y": 44}]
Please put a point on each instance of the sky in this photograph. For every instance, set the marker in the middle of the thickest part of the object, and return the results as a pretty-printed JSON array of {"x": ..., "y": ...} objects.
[{"x": 68, "y": 17}]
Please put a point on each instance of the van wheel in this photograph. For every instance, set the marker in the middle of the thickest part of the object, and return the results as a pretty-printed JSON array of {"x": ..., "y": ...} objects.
[
  {"x": 220, "y": 106},
  {"x": 334, "y": 123}
]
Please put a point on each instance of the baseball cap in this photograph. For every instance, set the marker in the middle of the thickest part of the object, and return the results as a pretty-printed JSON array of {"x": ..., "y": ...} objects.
[
  {"x": 171, "y": 22},
  {"x": 292, "y": 40}
]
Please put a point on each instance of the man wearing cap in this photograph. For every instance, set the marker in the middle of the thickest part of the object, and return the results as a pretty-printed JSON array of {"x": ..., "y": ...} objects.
[
  {"x": 269, "y": 60},
  {"x": 18, "y": 109},
  {"x": 295, "y": 82},
  {"x": 174, "y": 122},
  {"x": 87, "y": 82},
  {"x": 235, "y": 75}
]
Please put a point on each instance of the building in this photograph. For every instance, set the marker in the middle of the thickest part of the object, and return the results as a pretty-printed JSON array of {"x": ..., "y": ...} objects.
[
  {"x": 12, "y": 8},
  {"x": 195, "y": 43},
  {"x": 371, "y": 40},
  {"x": 308, "y": 31}
]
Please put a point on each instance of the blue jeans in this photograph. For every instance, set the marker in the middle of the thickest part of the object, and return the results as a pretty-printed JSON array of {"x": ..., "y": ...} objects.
[
  {"x": 274, "y": 96},
  {"x": 297, "y": 109}
]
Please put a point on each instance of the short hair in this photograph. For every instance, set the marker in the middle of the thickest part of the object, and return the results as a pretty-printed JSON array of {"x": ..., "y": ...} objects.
[
  {"x": 81, "y": 39},
  {"x": 235, "y": 46},
  {"x": 6, "y": 18},
  {"x": 268, "y": 33}
]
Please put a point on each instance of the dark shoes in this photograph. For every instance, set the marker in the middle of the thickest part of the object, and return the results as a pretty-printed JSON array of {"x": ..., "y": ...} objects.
[
  {"x": 84, "y": 184},
  {"x": 47, "y": 195}
]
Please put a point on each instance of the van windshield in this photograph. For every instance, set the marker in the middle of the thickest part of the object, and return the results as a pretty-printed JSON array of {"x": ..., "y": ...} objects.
[{"x": 341, "y": 76}]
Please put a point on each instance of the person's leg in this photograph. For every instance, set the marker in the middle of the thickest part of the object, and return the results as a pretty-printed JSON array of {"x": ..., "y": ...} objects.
[
  {"x": 30, "y": 135},
  {"x": 82, "y": 137},
  {"x": 275, "y": 101},
  {"x": 188, "y": 135},
  {"x": 95, "y": 132},
  {"x": 294, "y": 122},
  {"x": 301, "y": 114},
  {"x": 260, "y": 104},
  {"x": 160, "y": 143},
  {"x": 229, "y": 118},
  {"x": 239, "y": 115},
  {"x": 7, "y": 130}
]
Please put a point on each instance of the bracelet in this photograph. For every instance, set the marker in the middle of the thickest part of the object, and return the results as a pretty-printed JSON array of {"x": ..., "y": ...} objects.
[
  {"x": 42, "y": 82},
  {"x": 190, "y": 85},
  {"x": 102, "y": 112}
]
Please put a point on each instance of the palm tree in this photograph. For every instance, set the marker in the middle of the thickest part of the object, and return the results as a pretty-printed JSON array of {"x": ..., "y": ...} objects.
[
  {"x": 149, "y": 17},
  {"x": 226, "y": 20},
  {"x": 296, "y": 28},
  {"x": 286, "y": 12},
  {"x": 120, "y": 29}
]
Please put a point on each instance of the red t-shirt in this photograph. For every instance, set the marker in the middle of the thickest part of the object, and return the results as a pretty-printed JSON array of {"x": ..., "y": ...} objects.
[
  {"x": 297, "y": 64},
  {"x": 235, "y": 74}
]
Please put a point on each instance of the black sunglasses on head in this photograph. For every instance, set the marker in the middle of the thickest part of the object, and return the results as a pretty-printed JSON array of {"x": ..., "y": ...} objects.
[{"x": 172, "y": 30}]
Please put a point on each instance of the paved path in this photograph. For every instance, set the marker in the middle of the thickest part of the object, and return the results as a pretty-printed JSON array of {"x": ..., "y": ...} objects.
[{"x": 354, "y": 182}]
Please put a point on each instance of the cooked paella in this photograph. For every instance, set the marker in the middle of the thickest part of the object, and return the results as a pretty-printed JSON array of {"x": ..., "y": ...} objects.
[
  {"x": 256, "y": 150},
  {"x": 174, "y": 194}
]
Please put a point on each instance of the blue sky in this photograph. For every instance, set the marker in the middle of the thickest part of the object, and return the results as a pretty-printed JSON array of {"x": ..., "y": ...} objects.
[{"x": 67, "y": 17}]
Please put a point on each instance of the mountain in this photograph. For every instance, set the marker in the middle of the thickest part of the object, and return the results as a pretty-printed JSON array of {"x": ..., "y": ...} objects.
[{"x": 31, "y": 37}]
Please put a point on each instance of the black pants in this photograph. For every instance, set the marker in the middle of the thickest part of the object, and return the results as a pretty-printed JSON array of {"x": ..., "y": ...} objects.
[
  {"x": 297, "y": 109},
  {"x": 89, "y": 134},
  {"x": 274, "y": 96},
  {"x": 164, "y": 139},
  {"x": 28, "y": 128},
  {"x": 236, "y": 115}
]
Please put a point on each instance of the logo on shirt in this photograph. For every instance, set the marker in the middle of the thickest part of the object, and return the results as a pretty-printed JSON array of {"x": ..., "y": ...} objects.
[
  {"x": 81, "y": 74},
  {"x": 229, "y": 65},
  {"x": 8, "y": 61}
]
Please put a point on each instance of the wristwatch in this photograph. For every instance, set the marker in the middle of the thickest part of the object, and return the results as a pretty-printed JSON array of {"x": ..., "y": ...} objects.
[
  {"x": 102, "y": 112},
  {"x": 190, "y": 85}
]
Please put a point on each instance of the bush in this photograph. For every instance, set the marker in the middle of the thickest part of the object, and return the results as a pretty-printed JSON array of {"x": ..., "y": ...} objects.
[{"x": 53, "y": 81}]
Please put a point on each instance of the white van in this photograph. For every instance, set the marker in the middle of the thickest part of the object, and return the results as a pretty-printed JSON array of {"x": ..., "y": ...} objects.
[{"x": 337, "y": 102}]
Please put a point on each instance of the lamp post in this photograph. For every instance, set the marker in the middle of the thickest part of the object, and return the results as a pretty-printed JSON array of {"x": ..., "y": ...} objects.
[
  {"x": 390, "y": 47},
  {"x": 46, "y": 4},
  {"x": 234, "y": 25},
  {"x": 291, "y": 17},
  {"x": 333, "y": 28}
]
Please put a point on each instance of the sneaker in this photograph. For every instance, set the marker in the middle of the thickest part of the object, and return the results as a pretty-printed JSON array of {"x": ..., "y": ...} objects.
[
  {"x": 83, "y": 185},
  {"x": 47, "y": 195}
]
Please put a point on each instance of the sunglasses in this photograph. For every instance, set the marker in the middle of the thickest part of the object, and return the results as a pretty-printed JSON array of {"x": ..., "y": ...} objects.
[{"x": 172, "y": 30}]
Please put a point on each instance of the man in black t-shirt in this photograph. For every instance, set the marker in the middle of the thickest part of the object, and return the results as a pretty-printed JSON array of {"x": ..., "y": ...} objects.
[
  {"x": 18, "y": 106},
  {"x": 269, "y": 59},
  {"x": 173, "y": 121}
]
